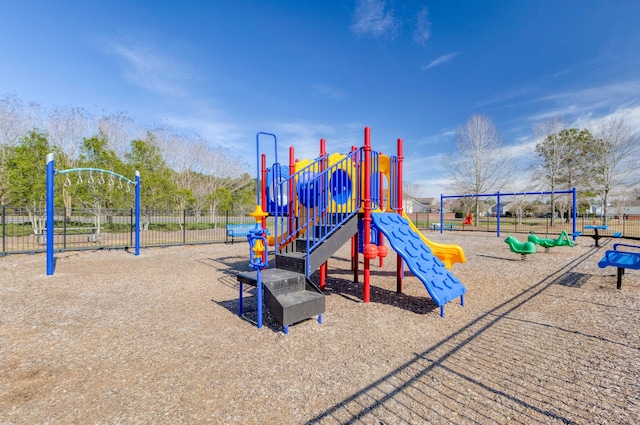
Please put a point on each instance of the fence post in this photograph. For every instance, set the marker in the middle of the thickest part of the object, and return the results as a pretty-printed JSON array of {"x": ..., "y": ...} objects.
[
  {"x": 547, "y": 231},
  {"x": 184, "y": 227},
  {"x": 226, "y": 223},
  {"x": 131, "y": 230},
  {"x": 64, "y": 227},
  {"x": 4, "y": 226}
]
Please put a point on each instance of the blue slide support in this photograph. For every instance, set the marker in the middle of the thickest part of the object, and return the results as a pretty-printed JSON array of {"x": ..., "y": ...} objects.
[{"x": 439, "y": 282}]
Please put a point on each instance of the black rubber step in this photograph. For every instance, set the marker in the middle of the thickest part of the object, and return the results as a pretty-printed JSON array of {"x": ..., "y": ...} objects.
[{"x": 289, "y": 296}]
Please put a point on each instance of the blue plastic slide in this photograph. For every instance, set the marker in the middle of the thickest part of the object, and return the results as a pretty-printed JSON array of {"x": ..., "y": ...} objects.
[{"x": 440, "y": 283}]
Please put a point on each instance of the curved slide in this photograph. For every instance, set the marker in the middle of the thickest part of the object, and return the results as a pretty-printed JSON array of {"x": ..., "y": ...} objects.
[
  {"x": 448, "y": 254},
  {"x": 440, "y": 283}
]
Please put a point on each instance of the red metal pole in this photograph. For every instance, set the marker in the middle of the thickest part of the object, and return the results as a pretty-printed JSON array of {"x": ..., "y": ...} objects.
[
  {"x": 367, "y": 213},
  {"x": 323, "y": 267},
  {"x": 263, "y": 187},
  {"x": 292, "y": 204},
  {"x": 381, "y": 206},
  {"x": 354, "y": 239},
  {"x": 399, "y": 262}
]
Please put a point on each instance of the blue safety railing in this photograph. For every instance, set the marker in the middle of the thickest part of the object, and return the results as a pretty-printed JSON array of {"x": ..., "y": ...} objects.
[{"x": 316, "y": 200}]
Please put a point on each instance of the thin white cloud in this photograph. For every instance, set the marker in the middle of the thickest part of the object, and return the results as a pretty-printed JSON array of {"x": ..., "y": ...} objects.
[
  {"x": 441, "y": 60},
  {"x": 422, "y": 32},
  {"x": 326, "y": 90},
  {"x": 433, "y": 178},
  {"x": 373, "y": 18},
  {"x": 600, "y": 96},
  {"x": 589, "y": 102},
  {"x": 303, "y": 136},
  {"x": 501, "y": 98},
  {"x": 151, "y": 69},
  {"x": 217, "y": 131}
]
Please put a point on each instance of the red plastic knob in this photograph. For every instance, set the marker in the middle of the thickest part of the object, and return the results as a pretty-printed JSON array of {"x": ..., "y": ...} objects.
[{"x": 370, "y": 251}]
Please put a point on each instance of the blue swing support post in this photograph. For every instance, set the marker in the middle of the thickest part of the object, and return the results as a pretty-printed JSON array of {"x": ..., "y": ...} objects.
[{"x": 50, "y": 197}]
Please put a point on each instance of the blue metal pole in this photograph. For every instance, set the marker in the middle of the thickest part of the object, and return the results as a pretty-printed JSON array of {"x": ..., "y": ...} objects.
[
  {"x": 575, "y": 214},
  {"x": 498, "y": 214},
  {"x": 259, "y": 288},
  {"x": 49, "y": 207},
  {"x": 441, "y": 213},
  {"x": 275, "y": 141},
  {"x": 137, "y": 250}
]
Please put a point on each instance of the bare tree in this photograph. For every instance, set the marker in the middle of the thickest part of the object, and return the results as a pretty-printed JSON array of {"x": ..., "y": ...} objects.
[
  {"x": 225, "y": 170},
  {"x": 16, "y": 119},
  {"x": 518, "y": 207},
  {"x": 201, "y": 169},
  {"x": 553, "y": 154},
  {"x": 616, "y": 158},
  {"x": 120, "y": 130},
  {"x": 412, "y": 191},
  {"x": 65, "y": 128},
  {"x": 620, "y": 200},
  {"x": 478, "y": 163},
  {"x": 565, "y": 158}
]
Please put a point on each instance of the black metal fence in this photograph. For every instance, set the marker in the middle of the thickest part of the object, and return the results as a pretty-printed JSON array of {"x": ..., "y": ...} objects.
[
  {"x": 22, "y": 230},
  {"x": 628, "y": 226}
]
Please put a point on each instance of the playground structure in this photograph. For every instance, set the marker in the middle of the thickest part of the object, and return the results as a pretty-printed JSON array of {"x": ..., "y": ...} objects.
[
  {"x": 522, "y": 248},
  {"x": 562, "y": 240},
  {"x": 622, "y": 259},
  {"x": 319, "y": 205},
  {"x": 50, "y": 198}
]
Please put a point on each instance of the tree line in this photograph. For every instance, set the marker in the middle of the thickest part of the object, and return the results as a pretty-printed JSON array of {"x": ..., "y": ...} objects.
[
  {"x": 178, "y": 171},
  {"x": 601, "y": 160},
  {"x": 186, "y": 171}
]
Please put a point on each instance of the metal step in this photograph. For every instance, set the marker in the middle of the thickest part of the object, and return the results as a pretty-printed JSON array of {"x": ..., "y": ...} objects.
[{"x": 289, "y": 296}]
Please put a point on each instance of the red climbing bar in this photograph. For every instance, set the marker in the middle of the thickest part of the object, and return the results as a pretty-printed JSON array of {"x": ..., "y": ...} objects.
[
  {"x": 366, "y": 240},
  {"x": 323, "y": 153},
  {"x": 400, "y": 211},
  {"x": 291, "y": 210}
]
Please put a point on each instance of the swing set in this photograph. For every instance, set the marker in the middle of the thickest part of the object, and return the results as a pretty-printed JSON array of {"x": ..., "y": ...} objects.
[
  {"x": 112, "y": 176},
  {"x": 499, "y": 196}
]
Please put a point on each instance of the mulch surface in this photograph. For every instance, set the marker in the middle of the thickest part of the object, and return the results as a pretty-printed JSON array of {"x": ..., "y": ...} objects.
[{"x": 117, "y": 339}]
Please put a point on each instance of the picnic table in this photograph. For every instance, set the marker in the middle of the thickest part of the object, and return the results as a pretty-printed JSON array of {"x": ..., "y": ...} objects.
[{"x": 595, "y": 235}]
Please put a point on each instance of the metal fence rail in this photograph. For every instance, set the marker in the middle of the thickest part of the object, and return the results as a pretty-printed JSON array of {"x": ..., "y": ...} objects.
[
  {"x": 628, "y": 226},
  {"x": 22, "y": 230}
]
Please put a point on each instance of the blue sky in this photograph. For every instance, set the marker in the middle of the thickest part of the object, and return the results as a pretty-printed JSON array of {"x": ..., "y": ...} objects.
[{"x": 309, "y": 69}]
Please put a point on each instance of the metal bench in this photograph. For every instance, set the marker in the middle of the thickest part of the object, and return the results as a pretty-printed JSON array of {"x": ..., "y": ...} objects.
[
  {"x": 436, "y": 226},
  {"x": 239, "y": 231},
  {"x": 92, "y": 233}
]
